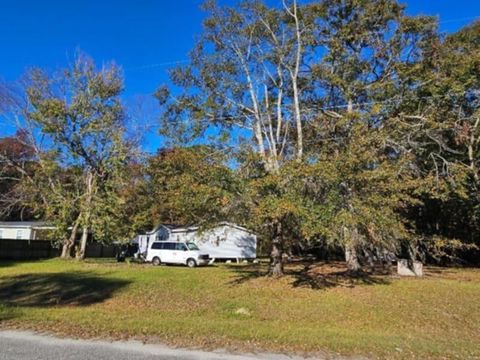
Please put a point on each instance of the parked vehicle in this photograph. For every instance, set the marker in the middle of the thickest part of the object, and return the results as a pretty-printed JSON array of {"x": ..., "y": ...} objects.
[
  {"x": 186, "y": 253},
  {"x": 224, "y": 241},
  {"x": 124, "y": 251}
]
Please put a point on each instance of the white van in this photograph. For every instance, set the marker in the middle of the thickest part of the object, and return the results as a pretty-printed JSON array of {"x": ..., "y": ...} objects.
[{"x": 186, "y": 253}]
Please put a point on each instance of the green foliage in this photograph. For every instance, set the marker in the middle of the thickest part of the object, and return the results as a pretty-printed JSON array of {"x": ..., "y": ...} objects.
[
  {"x": 444, "y": 137},
  {"x": 379, "y": 92},
  {"x": 372, "y": 186},
  {"x": 79, "y": 110},
  {"x": 191, "y": 186},
  {"x": 17, "y": 161},
  {"x": 350, "y": 125}
]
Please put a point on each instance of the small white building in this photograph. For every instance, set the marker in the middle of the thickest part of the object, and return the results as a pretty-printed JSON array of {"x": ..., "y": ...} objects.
[
  {"x": 22, "y": 230},
  {"x": 224, "y": 241}
]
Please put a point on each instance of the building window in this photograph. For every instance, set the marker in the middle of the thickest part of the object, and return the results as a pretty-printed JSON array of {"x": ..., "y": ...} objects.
[
  {"x": 19, "y": 234},
  {"x": 162, "y": 235}
]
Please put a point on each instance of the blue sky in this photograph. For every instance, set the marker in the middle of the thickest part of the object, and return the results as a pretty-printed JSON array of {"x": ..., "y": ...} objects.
[{"x": 143, "y": 36}]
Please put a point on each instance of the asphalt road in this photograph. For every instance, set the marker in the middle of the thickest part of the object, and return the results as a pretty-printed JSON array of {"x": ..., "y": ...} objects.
[{"x": 19, "y": 345}]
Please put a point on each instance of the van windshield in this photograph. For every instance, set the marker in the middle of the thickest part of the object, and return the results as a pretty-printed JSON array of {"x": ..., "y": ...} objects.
[{"x": 192, "y": 246}]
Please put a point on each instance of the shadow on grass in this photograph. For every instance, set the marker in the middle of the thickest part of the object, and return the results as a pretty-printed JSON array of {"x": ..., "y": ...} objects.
[
  {"x": 317, "y": 276},
  {"x": 45, "y": 290},
  {"x": 434, "y": 271},
  {"x": 7, "y": 263},
  {"x": 14, "y": 262}
]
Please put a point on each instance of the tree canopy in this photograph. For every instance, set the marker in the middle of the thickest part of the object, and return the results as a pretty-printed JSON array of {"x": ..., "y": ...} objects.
[{"x": 346, "y": 124}]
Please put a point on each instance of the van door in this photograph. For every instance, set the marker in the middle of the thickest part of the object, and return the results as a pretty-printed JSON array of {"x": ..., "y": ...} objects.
[
  {"x": 182, "y": 253},
  {"x": 176, "y": 253},
  {"x": 156, "y": 250},
  {"x": 169, "y": 252}
]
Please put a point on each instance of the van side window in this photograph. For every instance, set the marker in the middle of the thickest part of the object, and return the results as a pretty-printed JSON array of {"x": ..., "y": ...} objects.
[
  {"x": 169, "y": 246},
  {"x": 181, "y": 246},
  {"x": 157, "y": 246}
]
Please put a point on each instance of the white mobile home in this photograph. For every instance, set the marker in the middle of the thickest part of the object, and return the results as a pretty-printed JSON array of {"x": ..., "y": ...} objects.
[
  {"x": 22, "y": 230},
  {"x": 224, "y": 241}
]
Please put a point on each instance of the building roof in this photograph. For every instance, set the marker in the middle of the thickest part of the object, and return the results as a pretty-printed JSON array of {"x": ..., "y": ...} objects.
[
  {"x": 24, "y": 224},
  {"x": 174, "y": 228},
  {"x": 178, "y": 228}
]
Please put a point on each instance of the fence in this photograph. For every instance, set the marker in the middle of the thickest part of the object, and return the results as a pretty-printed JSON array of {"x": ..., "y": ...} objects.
[{"x": 44, "y": 249}]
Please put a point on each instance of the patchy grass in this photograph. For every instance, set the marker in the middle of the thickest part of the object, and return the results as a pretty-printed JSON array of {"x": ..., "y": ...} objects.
[{"x": 313, "y": 309}]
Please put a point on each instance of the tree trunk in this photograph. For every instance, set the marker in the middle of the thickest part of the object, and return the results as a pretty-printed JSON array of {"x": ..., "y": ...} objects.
[
  {"x": 276, "y": 256},
  {"x": 350, "y": 235},
  {"x": 87, "y": 211},
  {"x": 66, "y": 249},
  {"x": 294, "y": 77},
  {"x": 70, "y": 242},
  {"x": 83, "y": 244},
  {"x": 351, "y": 257},
  {"x": 276, "y": 265}
]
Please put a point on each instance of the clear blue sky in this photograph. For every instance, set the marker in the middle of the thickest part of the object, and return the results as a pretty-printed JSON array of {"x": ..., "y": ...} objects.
[{"x": 139, "y": 35}]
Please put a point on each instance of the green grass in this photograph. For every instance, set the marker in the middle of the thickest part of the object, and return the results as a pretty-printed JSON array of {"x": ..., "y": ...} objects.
[{"x": 379, "y": 316}]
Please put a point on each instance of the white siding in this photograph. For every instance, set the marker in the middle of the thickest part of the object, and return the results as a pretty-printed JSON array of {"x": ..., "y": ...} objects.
[
  {"x": 142, "y": 243},
  {"x": 222, "y": 242},
  {"x": 13, "y": 232}
]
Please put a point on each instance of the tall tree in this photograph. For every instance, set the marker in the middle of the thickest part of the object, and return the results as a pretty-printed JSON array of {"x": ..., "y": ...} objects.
[
  {"x": 274, "y": 70},
  {"x": 79, "y": 109},
  {"x": 372, "y": 52},
  {"x": 368, "y": 185},
  {"x": 439, "y": 123},
  {"x": 49, "y": 190},
  {"x": 246, "y": 73}
]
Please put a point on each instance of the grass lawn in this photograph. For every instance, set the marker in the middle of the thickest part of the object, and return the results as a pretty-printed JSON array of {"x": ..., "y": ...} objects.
[{"x": 310, "y": 310}]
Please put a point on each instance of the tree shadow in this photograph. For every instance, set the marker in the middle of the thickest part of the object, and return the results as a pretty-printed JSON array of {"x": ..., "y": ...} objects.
[
  {"x": 6, "y": 263},
  {"x": 44, "y": 290},
  {"x": 318, "y": 276},
  {"x": 330, "y": 275},
  {"x": 245, "y": 273}
]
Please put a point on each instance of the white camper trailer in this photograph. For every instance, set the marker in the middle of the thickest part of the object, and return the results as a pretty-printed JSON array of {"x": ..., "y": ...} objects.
[{"x": 222, "y": 242}]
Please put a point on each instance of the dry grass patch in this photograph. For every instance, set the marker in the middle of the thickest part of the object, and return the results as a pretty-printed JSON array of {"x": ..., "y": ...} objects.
[{"x": 316, "y": 307}]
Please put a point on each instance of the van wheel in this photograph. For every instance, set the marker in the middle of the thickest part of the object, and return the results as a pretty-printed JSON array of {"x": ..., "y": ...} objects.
[
  {"x": 191, "y": 263},
  {"x": 156, "y": 261}
]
